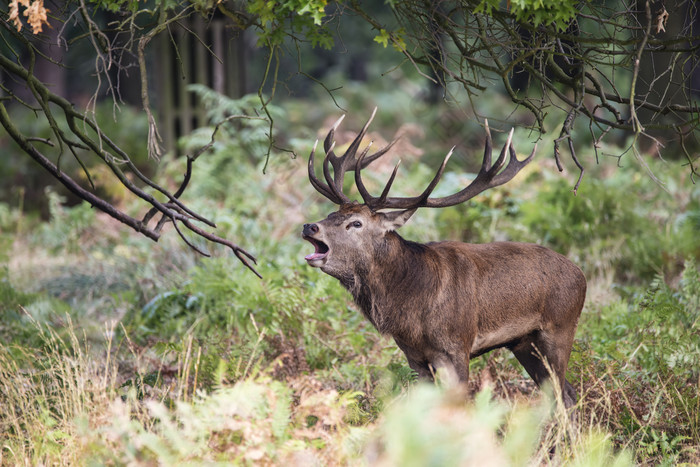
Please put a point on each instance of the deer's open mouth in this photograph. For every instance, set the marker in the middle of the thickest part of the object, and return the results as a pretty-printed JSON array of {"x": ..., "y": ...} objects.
[{"x": 320, "y": 253}]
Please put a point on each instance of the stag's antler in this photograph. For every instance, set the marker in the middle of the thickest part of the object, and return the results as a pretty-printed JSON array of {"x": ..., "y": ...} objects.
[
  {"x": 333, "y": 188},
  {"x": 489, "y": 175}
]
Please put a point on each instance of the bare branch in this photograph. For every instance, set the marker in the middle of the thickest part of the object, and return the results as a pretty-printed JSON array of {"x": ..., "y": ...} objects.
[
  {"x": 607, "y": 53},
  {"x": 84, "y": 133}
]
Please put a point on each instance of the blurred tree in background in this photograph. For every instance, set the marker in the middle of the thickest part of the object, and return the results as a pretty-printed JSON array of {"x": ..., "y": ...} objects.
[
  {"x": 627, "y": 67},
  {"x": 622, "y": 65}
]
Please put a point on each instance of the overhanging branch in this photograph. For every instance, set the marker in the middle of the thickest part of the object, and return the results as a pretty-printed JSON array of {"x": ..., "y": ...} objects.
[
  {"x": 635, "y": 76},
  {"x": 85, "y": 134}
]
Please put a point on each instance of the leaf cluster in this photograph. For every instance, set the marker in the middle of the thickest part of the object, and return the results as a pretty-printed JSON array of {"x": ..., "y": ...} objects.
[
  {"x": 279, "y": 19},
  {"x": 194, "y": 330},
  {"x": 536, "y": 12}
]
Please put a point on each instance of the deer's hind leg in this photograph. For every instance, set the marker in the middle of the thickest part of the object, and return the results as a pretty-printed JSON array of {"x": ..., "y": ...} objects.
[{"x": 531, "y": 351}]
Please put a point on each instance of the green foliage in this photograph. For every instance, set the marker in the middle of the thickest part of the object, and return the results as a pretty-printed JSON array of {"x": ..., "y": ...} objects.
[
  {"x": 536, "y": 12},
  {"x": 396, "y": 37},
  {"x": 216, "y": 304},
  {"x": 117, "y": 5},
  {"x": 660, "y": 327},
  {"x": 24, "y": 180},
  {"x": 480, "y": 220},
  {"x": 13, "y": 324},
  {"x": 43, "y": 390},
  {"x": 306, "y": 374},
  {"x": 10, "y": 222},
  {"x": 248, "y": 421},
  {"x": 240, "y": 143},
  {"x": 651, "y": 339},
  {"x": 660, "y": 444},
  {"x": 279, "y": 17},
  {"x": 595, "y": 218},
  {"x": 68, "y": 226},
  {"x": 21, "y": 310},
  {"x": 243, "y": 125},
  {"x": 410, "y": 438},
  {"x": 134, "y": 6},
  {"x": 429, "y": 427}
]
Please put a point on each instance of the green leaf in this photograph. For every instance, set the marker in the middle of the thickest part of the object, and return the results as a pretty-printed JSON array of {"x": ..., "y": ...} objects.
[{"x": 382, "y": 38}]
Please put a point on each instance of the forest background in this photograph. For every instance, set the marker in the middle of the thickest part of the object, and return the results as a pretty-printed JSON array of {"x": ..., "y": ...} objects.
[{"x": 190, "y": 123}]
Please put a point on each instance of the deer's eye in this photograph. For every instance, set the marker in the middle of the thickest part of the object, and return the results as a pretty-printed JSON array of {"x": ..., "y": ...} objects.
[{"x": 356, "y": 224}]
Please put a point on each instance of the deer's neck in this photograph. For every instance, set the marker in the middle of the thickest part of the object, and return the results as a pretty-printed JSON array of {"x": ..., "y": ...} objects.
[{"x": 399, "y": 273}]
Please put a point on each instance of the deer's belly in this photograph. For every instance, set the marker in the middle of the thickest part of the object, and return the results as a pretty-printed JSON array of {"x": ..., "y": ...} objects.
[{"x": 504, "y": 334}]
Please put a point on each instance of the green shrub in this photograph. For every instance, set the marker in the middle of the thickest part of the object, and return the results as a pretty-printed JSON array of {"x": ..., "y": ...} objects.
[
  {"x": 127, "y": 127},
  {"x": 195, "y": 334},
  {"x": 658, "y": 327},
  {"x": 431, "y": 427}
]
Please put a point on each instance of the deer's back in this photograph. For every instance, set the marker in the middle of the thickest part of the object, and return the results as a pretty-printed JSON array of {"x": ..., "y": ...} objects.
[{"x": 526, "y": 285}]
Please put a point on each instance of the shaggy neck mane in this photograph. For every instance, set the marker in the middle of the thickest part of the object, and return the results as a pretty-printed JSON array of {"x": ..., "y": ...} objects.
[{"x": 398, "y": 273}]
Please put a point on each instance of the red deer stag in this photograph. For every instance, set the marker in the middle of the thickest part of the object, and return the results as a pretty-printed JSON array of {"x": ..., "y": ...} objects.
[{"x": 446, "y": 302}]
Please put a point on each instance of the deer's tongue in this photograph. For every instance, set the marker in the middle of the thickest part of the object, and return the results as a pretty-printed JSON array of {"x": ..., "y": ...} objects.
[
  {"x": 321, "y": 250},
  {"x": 314, "y": 256}
]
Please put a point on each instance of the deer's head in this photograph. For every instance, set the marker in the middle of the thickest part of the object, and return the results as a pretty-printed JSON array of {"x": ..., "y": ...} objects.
[
  {"x": 353, "y": 235},
  {"x": 356, "y": 233}
]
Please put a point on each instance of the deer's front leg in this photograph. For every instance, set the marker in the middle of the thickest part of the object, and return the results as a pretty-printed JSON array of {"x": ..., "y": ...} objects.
[
  {"x": 422, "y": 368},
  {"x": 451, "y": 369},
  {"x": 417, "y": 361}
]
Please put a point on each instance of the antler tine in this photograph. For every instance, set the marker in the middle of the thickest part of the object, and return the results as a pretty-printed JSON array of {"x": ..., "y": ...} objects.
[
  {"x": 329, "y": 189},
  {"x": 488, "y": 148},
  {"x": 315, "y": 182},
  {"x": 367, "y": 161},
  {"x": 334, "y": 182},
  {"x": 406, "y": 203},
  {"x": 358, "y": 177},
  {"x": 325, "y": 190},
  {"x": 387, "y": 187},
  {"x": 333, "y": 185},
  {"x": 502, "y": 156},
  {"x": 329, "y": 141},
  {"x": 488, "y": 177},
  {"x": 333, "y": 188},
  {"x": 514, "y": 165},
  {"x": 426, "y": 193},
  {"x": 347, "y": 160},
  {"x": 369, "y": 199}
]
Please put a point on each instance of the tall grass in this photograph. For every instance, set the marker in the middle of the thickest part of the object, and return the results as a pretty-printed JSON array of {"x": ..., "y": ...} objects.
[
  {"x": 52, "y": 395},
  {"x": 65, "y": 404},
  {"x": 201, "y": 363}
]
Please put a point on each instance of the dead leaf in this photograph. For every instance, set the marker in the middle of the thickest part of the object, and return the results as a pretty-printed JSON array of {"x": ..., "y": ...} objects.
[{"x": 661, "y": 21}]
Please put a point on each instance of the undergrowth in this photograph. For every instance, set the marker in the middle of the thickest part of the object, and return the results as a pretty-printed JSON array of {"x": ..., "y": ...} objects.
[{"x": 113, "y": 351}]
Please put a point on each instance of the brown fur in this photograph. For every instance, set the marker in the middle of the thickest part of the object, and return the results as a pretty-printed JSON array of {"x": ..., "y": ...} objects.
[{"x": 446, "y": 302}]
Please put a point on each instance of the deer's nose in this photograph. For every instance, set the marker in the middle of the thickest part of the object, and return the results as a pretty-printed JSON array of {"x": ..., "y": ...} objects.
[{"x": 310, "y": 229}]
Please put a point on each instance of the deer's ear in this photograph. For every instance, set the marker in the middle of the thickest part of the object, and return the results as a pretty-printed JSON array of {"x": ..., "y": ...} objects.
[{"x": 395, "y": 219}]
